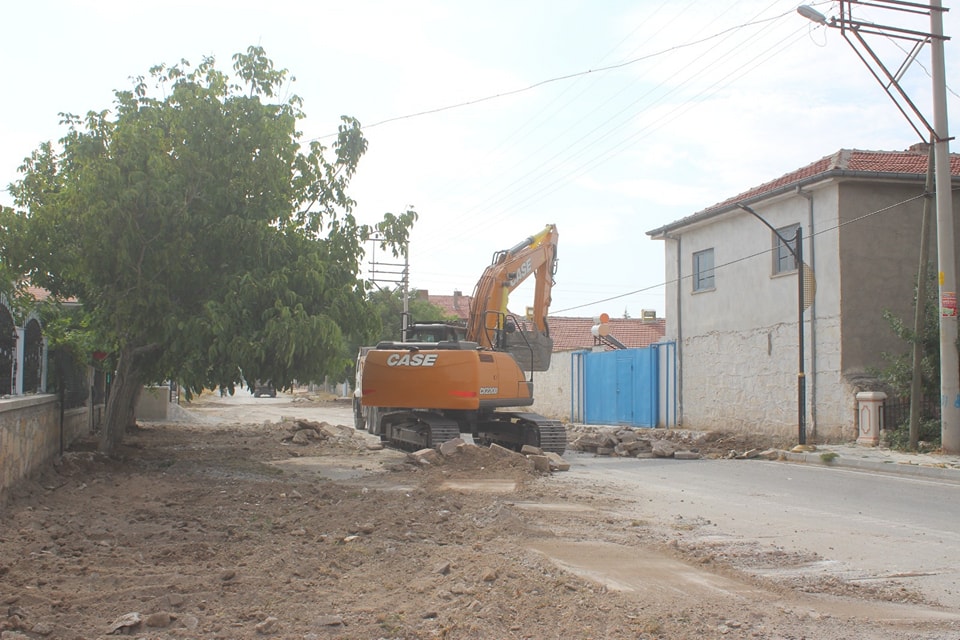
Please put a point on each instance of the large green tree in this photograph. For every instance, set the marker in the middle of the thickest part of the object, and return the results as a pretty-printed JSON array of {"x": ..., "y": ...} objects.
[{"x": 206, "y": 244}]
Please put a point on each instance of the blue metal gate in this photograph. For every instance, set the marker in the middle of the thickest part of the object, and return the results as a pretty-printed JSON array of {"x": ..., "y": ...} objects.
[{"x": 623, "y": 387}]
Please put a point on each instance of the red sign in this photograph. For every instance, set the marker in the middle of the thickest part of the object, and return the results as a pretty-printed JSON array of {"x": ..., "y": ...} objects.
[{"x": 948, "y": 304}]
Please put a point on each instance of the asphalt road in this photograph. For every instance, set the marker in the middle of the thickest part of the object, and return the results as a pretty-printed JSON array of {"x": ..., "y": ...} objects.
[{"x": 861, "y": 525}]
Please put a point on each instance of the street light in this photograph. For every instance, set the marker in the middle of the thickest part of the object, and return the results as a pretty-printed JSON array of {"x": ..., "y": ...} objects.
[
  {"x": 853, "y": 31},
  {"x": 810, "y": 13},
  {"x": 797, "y": 251}
]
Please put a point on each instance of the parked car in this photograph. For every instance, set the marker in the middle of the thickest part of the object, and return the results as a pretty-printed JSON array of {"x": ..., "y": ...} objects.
[{"x": 264, "y": 389}]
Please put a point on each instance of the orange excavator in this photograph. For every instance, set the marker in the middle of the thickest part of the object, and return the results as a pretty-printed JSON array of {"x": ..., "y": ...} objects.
[{"x": 442, "y": 382}]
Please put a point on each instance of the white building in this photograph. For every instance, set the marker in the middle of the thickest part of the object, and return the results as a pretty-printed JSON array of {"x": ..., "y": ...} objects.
[{"x": 732, "y": 299}]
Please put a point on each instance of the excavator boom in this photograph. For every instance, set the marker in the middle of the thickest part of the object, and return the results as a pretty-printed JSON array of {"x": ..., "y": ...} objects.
[{"x": 490, "y": 324}]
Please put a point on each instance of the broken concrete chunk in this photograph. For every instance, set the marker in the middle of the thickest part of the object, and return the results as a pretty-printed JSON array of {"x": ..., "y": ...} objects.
[
  {"x": 557, "y": 463},
  {"x": 451, "y": 446},
  {"x": 502, "y": 451},
  {"x": 540, "y": 463},
  {"x": 303, "y": 436},
  {"x": 426, "y": 456},
  {"x": 126, "y": 621},
  {"x": 268, "y": 626},
  {"x": 664, "y": 449}
]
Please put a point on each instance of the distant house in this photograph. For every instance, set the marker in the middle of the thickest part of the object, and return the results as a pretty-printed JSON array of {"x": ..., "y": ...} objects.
[
  {"x": 457, "y": 305},
  {"x": 731, "y": 298},
  {"x": 570, "y": 334}
]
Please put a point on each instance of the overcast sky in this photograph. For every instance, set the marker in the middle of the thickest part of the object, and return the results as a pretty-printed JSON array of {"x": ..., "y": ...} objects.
[{"x": 705, "y": 99}]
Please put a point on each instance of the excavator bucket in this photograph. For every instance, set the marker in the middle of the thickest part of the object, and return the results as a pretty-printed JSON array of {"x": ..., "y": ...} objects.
[{"x": 531, "y": 349}]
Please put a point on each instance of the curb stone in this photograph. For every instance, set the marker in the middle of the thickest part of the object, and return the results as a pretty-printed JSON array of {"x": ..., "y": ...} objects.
[{"x": 879, "y": 464}]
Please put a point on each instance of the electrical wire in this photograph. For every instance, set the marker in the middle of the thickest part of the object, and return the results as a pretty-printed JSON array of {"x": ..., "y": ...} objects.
[
  {"x": 678, "y": 281},
  {"x": 541, "y": 83},
  {"x": 551, "y": 168}
]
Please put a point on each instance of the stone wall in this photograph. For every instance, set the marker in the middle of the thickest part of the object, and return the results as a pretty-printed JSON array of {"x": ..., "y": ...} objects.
[
  {"x": 30, "y": 434},
  {"x": 747, "y": 381}
]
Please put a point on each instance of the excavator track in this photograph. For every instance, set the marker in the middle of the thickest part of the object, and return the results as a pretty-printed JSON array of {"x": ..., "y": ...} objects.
[
  {"x": 513, "y": 430},
  {"x": 415, "y": 430}
]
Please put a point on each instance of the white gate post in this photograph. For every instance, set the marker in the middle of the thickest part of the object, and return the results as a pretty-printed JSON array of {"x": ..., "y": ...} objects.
[{"x": 869, "y": 417}]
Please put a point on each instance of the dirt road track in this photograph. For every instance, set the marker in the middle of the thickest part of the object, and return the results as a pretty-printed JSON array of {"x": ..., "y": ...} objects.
[{"x": 219, "y": 527}]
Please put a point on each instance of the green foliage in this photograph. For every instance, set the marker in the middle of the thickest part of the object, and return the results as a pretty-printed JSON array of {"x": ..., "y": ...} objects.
[
  {"x": 388, "y": 306},
  {"x": 202, "y": 239},
  {"x": 899, "y": 369},
  {"x": 928, "y": 436}
]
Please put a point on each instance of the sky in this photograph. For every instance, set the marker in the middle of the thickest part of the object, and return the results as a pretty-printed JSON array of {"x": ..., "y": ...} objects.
[{"x": 492, "y": 119}]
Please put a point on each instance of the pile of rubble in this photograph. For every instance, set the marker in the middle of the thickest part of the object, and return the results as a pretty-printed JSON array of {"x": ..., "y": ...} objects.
[
  {"x": 626, "y": 442},
  {"x": 632, "y": 443},
  {"x": 682, "y": 444},
  {"x": 457, "y": 449},
  {"x": 303, "y": 432}
]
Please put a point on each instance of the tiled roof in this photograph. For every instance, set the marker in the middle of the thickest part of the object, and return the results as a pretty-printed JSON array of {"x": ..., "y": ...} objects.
[
  {"x": 38, "y": 293},
  {"x": 574, "y": 333},
  {"x": 456, "y": 305},
  {"x": 844, "y": 163}
]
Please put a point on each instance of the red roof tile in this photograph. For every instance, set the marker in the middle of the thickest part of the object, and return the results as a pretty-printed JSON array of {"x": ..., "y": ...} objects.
[
  {"x": 456, "y": 305},
  {"x": 574, "y": 333},
  {"x": 846, "y": 162}
]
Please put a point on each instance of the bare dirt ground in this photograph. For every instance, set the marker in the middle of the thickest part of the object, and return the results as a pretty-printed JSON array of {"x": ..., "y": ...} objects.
[{"x": 236, "y": 524}]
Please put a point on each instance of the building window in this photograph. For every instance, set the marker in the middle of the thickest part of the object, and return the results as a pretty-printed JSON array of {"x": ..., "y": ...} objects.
[
  {"x": 703, "y": 270},
  {"x": 783, "y": 260}
]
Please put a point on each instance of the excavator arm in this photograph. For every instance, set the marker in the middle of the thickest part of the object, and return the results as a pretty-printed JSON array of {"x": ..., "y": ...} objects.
[{"x": 488, "y": 326}]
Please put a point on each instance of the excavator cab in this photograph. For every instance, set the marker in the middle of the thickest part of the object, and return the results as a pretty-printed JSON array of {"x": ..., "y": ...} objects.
[{"x": 436, "y": 332}]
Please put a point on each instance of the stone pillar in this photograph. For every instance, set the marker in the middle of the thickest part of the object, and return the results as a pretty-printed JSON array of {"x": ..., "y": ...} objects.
[
  {"x": 869, "y": 417},
  {"x": 152, "y": 403}
]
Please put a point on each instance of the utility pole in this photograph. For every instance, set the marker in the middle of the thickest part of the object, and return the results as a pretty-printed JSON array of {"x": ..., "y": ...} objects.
[
  {"x": 949, "y": 358},
  {"x": 396, "y": 274},
  {"x": 853, "y": 31},
  {"x": 920, "y": 308}
]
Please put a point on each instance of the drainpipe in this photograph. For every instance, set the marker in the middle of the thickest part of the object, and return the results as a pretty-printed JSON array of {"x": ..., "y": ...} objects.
[
  {"x": 812, "y": 375},
  {"x": 679, "y": 378}
]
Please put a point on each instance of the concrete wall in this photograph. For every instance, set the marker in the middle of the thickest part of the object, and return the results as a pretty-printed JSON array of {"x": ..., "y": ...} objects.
[
  {"x": 30, "y": 434},
  {"x": 152, "y": 403},
  {"x": 551, "y": 389},
  {"x": 879, "y": 261}
]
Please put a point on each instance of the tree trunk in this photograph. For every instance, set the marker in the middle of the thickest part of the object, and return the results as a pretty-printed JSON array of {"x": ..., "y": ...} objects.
[{"x": 121, "y": 405}]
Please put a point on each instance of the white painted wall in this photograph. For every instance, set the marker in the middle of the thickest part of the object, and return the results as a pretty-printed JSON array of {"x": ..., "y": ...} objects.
[
  {"x": 738, "y": 343},
  {"x": 551, "y": 389}
]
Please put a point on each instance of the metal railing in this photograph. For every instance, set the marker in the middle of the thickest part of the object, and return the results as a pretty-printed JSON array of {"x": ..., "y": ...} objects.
[{"x": 896, "y": 411}]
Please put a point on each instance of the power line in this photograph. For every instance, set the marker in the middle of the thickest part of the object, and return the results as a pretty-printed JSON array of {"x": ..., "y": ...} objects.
[
  {"x": 612, "y": 126},
  {"x": 729, "y": 263},
  {"x": 568, "y": 76}
]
